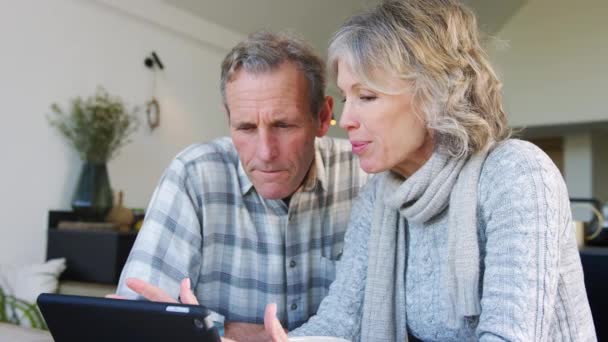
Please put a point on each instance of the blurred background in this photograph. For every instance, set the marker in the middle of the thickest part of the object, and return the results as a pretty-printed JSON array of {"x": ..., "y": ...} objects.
[{"x": 551, "y": 55}]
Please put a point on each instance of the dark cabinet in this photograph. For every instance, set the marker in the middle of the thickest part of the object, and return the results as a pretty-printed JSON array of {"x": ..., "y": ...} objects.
[
  {"x": 595, "y": 267},
  {"x": 96, "y": 256}
]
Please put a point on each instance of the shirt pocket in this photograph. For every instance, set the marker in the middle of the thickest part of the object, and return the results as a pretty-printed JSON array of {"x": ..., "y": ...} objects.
[
  {"x": 331, "y": 249},
  {"x": 332, "y": 245},
  {"x": 328, "y": 271},
  {"x": 330, "y": 255}
]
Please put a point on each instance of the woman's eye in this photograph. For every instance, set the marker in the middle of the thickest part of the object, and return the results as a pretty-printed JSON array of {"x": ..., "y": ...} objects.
[
  {"x": 367, "y": 98},
  {"x": 343, "y": 99}
]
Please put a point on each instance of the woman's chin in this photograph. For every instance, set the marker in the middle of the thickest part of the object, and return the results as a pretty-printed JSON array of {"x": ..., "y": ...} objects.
[{"x": 372, "y": 168}]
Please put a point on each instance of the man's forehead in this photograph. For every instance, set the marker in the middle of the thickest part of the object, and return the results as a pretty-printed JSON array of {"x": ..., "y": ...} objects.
[
  {"x": 271, "y": 111},
  {"x": 283, "y": 89}
]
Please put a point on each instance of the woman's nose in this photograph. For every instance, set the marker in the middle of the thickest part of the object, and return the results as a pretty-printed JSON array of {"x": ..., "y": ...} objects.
[{"x": 348, "y": 119}]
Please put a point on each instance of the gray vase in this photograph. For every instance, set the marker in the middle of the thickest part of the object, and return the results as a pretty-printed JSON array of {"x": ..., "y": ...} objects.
[{"x": 93, "y": 195}]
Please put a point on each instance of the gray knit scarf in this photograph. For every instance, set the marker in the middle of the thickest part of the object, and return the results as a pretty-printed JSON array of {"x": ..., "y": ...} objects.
[{"x": 441, "y": 182}]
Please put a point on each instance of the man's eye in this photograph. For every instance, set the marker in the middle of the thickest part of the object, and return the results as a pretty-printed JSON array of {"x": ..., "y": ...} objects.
[{"x": 246, "y": 128}]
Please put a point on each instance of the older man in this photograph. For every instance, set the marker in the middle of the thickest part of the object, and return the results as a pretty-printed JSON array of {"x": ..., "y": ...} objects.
[{"x": 260, "y": 217}]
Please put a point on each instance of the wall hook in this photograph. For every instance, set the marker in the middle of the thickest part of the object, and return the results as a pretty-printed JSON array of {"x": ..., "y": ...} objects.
[
  {"x": 152, "y": 60},
  {"x": 153, "y": 113},
  {"x": 152, "y": 106}
]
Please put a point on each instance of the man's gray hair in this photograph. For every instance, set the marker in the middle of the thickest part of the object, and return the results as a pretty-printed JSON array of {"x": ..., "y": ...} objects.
[{"x": 264, "y": 51}]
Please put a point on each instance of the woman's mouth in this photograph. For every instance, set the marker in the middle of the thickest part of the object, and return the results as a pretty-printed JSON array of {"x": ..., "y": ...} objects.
[{"x": 359, "y": 146}]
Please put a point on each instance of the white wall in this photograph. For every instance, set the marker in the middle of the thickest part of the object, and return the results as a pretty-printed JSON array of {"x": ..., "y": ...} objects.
[
  {"x": 53, "y": 50},
  {"x": 586, "y": 168},
  {"x": 578, "y": 165},
  {"x": 600, "y": 165},
  {"x": 555, "y": 66}
]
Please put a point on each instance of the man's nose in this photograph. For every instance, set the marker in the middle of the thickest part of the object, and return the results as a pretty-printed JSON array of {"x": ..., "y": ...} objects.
[{"x": 268, "y": 148}]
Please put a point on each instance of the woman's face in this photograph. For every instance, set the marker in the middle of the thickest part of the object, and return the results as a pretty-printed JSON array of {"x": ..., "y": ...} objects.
[{"x": 383, "y": 129}]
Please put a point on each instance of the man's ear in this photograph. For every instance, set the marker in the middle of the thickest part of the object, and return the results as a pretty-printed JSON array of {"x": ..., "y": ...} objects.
[{"x": 325, "y": 115}]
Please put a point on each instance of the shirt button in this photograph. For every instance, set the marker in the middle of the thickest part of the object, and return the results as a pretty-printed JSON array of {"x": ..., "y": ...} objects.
[
  {"x": 294, "y": 306},
  {"x": 292, "y": 263}
]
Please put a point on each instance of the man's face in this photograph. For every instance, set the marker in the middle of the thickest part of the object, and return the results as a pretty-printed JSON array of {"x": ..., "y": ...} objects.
[{"x": 273, "y": 129}]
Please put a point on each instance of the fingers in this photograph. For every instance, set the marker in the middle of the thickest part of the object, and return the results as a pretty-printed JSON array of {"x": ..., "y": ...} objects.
[
  {"x": 240, "y": 331},
  {"x": 114, "y": 296},
  {"x": 272, "y": 324},
  {"x": 185, "y": 293},
  {"x": 149, "y": 291},
  {"x": 157, "y": 294}
]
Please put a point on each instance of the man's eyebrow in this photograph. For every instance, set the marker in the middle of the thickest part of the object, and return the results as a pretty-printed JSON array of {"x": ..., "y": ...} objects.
[{"x": 243, "y": 124}]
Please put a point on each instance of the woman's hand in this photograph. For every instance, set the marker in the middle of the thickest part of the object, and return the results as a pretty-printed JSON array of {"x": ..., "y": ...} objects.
[{"x": 272, "y": 324}]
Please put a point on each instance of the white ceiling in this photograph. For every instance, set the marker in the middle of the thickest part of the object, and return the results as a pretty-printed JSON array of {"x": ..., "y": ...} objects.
[
  {"x": 313, "y": 20},
  {"x": 316, "y": 20}
]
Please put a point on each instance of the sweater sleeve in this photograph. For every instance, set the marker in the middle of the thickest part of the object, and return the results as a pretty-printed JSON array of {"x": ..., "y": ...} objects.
[
  {"x": 524, "y": 206},
  {"x": 340, "y": 312}
]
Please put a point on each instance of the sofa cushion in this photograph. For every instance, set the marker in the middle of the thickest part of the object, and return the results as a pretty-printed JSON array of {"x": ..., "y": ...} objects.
[
  {"x": 20, "y": 285},
  {"x": 11, "y": 332}
]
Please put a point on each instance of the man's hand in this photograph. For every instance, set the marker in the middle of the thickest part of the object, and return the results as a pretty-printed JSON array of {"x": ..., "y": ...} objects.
[
  {"x": 156, "y": 294},
  {"x": 234, "y": 331}
]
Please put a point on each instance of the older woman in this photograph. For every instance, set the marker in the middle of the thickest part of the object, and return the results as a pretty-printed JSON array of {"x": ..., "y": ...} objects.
[{"x": 464, "y": 234}]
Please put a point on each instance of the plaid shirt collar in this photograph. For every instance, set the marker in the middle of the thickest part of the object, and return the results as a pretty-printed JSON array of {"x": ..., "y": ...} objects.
[{"x": 316, "y": 175}]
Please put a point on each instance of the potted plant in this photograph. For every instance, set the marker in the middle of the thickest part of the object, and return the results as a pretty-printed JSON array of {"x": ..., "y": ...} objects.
[{"x": 97, "y": 127}]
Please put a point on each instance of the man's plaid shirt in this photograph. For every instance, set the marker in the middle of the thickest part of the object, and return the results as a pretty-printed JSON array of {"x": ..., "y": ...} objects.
[{"x": 206, "y": 221}]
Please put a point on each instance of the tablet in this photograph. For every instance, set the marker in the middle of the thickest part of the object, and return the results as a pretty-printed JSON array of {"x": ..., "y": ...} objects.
[{"x": 92, "y": 319}]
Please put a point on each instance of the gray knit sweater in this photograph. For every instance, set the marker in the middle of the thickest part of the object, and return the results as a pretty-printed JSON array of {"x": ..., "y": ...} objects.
[{"x": 531, "y": 280}]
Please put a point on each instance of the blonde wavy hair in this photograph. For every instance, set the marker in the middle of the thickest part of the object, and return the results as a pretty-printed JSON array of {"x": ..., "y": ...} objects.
[{"x": 435, "y": 46}]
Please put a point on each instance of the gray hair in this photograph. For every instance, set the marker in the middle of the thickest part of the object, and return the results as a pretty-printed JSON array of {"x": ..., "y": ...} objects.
[
  {"x": 434, "y": 46},
  {"x": 264, "y": 51}
]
